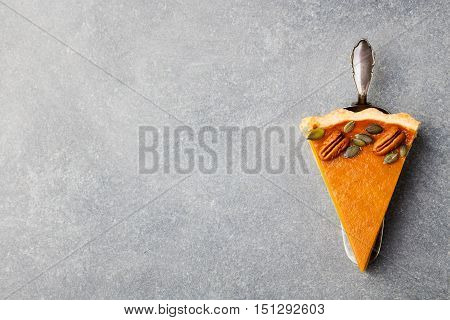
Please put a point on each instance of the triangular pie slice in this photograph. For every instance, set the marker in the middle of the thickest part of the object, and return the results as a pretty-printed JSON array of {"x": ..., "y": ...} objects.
[{"x": 360, "y": 156}]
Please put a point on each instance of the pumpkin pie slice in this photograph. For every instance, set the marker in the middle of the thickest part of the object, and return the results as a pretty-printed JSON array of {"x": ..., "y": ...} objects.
[{"x": 360, "y": 156}]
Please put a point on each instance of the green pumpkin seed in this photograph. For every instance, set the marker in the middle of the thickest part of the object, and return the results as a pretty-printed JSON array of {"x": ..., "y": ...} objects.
[
  {"x": 391, "y": 157},
  {"x": 316, "y": 134},
  {"x": 351, "y": 151},
  {"x": 403, "y": 150},
  {"x": 349, "y": 126},
  {"x": 358, "y": 142},
  {"x": 374, "y": 129},
  {"x": 364, "y": 137}
]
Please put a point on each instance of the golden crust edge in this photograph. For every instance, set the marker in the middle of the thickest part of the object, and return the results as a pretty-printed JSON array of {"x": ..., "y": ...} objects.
[{"x": 340, "y": 115}]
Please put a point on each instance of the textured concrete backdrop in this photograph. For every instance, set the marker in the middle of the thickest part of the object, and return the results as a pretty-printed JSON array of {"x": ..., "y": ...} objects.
[{"x": 77, "y": 78}]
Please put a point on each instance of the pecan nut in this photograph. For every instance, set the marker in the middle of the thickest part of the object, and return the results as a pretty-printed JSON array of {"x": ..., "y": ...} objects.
[
  {"x": 392, "y": 138},
  {"x": 333, "y": 146}
]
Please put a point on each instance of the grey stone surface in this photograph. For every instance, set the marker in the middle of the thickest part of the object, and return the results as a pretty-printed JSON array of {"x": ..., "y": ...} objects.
[{"x": 78, "y": 221}]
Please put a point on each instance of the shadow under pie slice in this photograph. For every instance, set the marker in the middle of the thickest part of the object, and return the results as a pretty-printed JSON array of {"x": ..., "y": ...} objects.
[{"x": 360, "y": 156}]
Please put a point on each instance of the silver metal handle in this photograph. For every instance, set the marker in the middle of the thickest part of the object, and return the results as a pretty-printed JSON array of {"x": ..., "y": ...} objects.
[{"x": 363, "y": 60}]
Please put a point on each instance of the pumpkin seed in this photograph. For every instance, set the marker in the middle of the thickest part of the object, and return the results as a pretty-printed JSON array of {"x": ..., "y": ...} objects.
[
  {"x": 374, "y": 129},
  {"x": 391, "y": 157},
  {"x": 316, "y": 134},
  {"x": 358, "y": 142},
  {"x": 351, "y": 151},
  {"x": 349, "y": 126},
  {"x": 364, "y": 137},
  {"x": 403, "y": 150}
]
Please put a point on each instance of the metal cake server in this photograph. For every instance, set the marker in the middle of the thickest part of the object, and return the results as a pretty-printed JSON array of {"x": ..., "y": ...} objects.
[{"x": 363, "y": 60}]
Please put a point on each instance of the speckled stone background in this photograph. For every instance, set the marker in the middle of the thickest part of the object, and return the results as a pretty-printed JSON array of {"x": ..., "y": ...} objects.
[{"x": 77, "y": 78}]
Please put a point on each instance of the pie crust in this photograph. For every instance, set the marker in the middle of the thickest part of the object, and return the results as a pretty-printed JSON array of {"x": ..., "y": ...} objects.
[{"x": 342, "y": 115}]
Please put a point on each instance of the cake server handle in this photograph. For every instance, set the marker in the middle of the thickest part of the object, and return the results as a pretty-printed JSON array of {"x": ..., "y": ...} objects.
[{"x": 363, "y": 60}]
